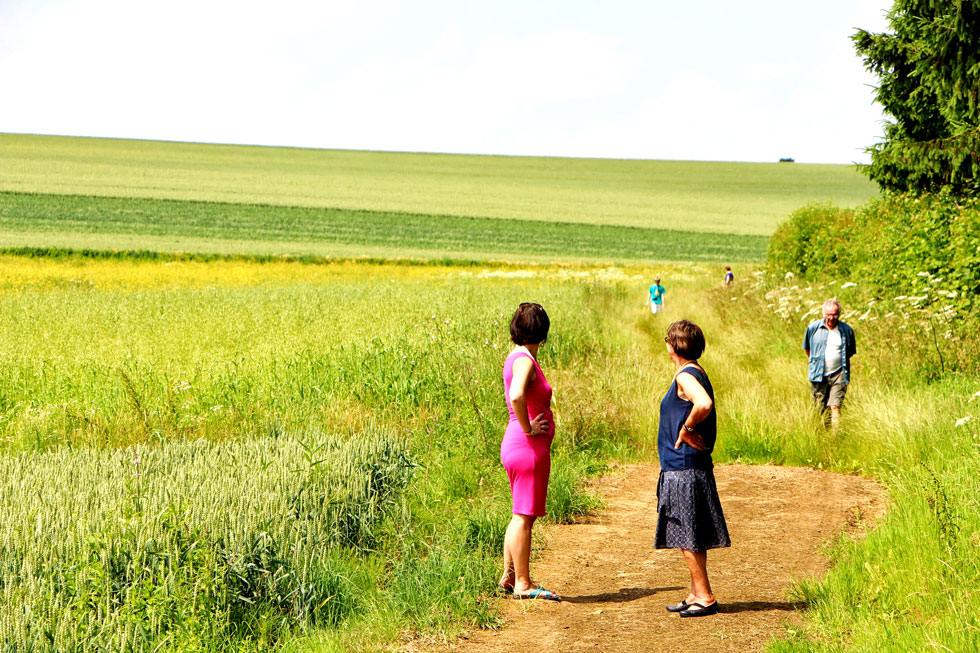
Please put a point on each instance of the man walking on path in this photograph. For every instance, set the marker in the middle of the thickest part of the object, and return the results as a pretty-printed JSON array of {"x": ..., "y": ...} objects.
[
  {"x": 657, "y": 296},
  {"x": 829, "y": 345}
]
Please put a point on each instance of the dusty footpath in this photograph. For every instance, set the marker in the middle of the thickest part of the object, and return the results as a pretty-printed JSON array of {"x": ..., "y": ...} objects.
[{"x": 615, "y": 585}]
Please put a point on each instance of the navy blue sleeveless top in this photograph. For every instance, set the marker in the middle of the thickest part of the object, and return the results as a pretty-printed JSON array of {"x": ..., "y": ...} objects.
[{"x": 673, "y": 413}]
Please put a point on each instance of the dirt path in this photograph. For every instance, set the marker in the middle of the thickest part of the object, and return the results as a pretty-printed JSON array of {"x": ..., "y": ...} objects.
[{"x": 615, "y": 585}]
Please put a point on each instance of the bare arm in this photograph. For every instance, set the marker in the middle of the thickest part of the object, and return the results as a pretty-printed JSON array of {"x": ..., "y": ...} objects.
[
  {"x": 524, "y": 374},
  {"x": 689, "y": 388}
]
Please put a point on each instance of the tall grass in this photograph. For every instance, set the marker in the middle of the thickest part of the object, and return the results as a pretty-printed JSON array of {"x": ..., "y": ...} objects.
[
  {"x": 256, "y": 456},
  {"x": 192, "y": 544}
]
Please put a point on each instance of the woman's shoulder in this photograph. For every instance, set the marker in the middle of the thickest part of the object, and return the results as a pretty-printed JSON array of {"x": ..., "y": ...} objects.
[
  {"x": 695, "y": 372},
  {"x": 518, "y": 357},
  {"x": 519, "y": 353},
  {"x": 694, "y": 369}
]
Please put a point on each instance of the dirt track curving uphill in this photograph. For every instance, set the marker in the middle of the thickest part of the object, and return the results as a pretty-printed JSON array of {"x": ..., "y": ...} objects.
[{"x": 615, "y": 585}]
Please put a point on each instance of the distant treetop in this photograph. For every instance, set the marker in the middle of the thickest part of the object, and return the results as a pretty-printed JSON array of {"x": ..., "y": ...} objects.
[{"x": 929, "y": 72}]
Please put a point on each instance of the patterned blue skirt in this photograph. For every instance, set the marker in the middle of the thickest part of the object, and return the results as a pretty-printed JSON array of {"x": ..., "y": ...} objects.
[{"x": 689, "y": 511}]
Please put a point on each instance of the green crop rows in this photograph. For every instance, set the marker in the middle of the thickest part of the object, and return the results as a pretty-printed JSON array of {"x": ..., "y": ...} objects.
[{"x": 320, "y": 228}]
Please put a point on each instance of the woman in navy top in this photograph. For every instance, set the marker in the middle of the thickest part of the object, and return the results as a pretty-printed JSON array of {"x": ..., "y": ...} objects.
[{"x": 689, "y": 511}]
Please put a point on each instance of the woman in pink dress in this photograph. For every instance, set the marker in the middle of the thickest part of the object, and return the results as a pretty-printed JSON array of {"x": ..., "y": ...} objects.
[{"x": 526, "y": 448}]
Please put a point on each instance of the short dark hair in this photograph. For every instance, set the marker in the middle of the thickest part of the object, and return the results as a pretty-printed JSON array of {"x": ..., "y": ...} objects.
[
  {"x": 529, "y": 325},
  {"x": 687, "y": 339}
]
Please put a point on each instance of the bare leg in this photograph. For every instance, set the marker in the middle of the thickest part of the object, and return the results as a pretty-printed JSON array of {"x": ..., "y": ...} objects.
[
  {"x": 507, "y": 580},
  {"x": 835, "y": 417},
  {"x": 517, "y": 551},
  {"x": 697, "y": 563}
]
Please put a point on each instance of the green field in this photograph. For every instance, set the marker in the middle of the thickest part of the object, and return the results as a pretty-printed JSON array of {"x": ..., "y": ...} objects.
[
  {"x": 67, "y": 221},
  {"x": 239, "y": 199}
]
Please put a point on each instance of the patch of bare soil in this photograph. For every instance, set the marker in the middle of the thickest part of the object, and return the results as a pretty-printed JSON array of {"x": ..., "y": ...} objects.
[{"x": 615, "y": 584}]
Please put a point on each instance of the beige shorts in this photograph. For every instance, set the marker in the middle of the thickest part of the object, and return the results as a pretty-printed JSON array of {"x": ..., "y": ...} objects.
[{"x": 830, "y": 392}]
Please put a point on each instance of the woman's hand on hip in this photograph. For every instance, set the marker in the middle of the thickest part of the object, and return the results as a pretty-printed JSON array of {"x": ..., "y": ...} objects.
[
  {"x": 693, "y": 438},
  {"x": 539, "y": 426}
]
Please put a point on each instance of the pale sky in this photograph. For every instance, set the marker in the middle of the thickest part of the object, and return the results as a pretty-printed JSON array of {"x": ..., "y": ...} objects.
[{"x": 650, "y": 79}]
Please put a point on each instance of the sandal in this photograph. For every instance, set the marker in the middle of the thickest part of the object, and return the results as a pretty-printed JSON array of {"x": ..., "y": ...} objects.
[
  {"x": 680, "y": 607},
  {"x": 505, "y": 590},
  {"x": 538, "y": 593},
  {"x": 700, "y": 610}
]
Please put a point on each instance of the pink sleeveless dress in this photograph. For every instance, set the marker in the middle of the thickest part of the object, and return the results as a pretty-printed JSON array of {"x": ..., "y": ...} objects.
[{"x": 526, "y": 459}]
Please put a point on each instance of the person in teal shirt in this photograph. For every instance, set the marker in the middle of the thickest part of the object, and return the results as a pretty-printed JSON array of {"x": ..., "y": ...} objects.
[{"x": 657, "y": 293}]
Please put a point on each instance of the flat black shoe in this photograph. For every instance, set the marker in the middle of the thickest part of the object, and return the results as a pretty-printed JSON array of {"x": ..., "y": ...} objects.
[
  {"x": 700, "y": 610},
  {"x": 680, "y": 607}
]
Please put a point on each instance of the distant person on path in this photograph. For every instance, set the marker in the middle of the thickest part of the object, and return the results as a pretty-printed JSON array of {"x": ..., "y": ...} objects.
[
  {"x": 526, "y": 448},
  {"x": 829, "y": 345},
  {"x": 657, "y": 293},
  {"x": 729, "y": 277},
  {"x": 689, "y": 510}
]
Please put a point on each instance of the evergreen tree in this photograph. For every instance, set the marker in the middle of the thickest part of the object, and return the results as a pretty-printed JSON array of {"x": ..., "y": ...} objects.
[{"x": 929, "y": 71}]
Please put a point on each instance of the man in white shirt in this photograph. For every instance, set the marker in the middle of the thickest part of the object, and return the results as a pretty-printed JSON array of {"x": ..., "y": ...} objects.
[{"x": 829, "y": 345}]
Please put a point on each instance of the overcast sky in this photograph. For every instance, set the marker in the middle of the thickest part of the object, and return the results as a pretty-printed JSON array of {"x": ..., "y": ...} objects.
[{"x": 651, "y": 79}]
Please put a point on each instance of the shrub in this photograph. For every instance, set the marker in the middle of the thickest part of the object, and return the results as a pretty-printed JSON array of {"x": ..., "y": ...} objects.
[{"x": 813, "y": 242}]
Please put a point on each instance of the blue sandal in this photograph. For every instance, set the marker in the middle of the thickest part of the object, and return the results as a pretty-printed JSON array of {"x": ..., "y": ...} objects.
[{"x": 539, "y": 593}]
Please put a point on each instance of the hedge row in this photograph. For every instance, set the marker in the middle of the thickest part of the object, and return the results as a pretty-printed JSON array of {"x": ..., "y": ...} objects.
[{"x": 893, "y": 244}]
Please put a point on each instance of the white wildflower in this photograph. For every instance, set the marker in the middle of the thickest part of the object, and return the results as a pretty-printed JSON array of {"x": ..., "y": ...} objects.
[
  {"x": 975, "y": 395},
  {"x": 936, "y": 280},
  {"x": 849, "y": 284},
  {"x": 922, "y": 274},
  {"x": 961, "y": 421},
  {"x": 789, "y": 275},
  {"x": 901, "y": 297}
]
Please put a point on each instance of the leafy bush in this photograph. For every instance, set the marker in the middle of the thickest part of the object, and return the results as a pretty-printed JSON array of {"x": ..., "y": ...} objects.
[
  {"x": 813, "y": 242},
  {"x": 898, "y": 244}
]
